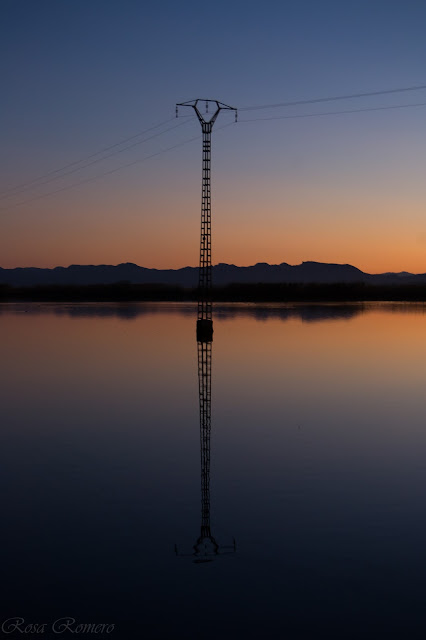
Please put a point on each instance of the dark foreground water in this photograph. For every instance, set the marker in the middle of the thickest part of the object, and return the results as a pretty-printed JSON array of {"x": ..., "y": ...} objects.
[{"x": 318, "y": 472}]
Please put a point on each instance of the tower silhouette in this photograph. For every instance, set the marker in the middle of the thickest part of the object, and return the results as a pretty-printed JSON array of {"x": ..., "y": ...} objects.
[{"x": 205, "y": 321}]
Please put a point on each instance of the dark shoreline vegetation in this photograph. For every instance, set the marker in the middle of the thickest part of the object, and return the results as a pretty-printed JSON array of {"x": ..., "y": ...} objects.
[{"x": 260, "y": 292}]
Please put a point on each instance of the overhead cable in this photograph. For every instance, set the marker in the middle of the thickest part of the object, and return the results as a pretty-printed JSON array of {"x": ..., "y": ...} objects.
[
  {"x": 335, "y": 113},
  {"x": 54, "y": 172},
  {"x": 58, "y": 175},
  {"x": 364, "y": 94},
  {"x": 100, "y": 175}
]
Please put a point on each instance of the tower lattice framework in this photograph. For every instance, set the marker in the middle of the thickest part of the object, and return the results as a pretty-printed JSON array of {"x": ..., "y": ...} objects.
[{"x": 205, "y": 322}]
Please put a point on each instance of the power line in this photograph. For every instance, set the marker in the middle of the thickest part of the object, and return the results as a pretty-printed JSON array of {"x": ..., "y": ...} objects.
[
  {"x": 87, "y": 160},
  {"x": 141, "y": 160},
  {"x": 24, "y": 185},
  {"x": 110, "y": 172},
  {"x": 96, "y": 153},
  {"x": 335, "y": 113},
  {"x": 100, "y": 175},
  {"x": 333, "y": 98},
  {"x": 61, "y": 174},
  {"x": 49, "y": 176}
]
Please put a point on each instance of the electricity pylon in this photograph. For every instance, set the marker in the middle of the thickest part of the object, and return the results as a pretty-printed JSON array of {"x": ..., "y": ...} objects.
[{"x": 205, "y": 322}]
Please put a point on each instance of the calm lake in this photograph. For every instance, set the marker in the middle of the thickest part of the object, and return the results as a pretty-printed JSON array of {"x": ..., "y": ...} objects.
[{"x": 317, "y": 471}]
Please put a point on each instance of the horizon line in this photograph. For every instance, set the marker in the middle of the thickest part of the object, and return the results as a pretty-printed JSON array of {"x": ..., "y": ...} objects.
[{"x": 227, "y": 264}]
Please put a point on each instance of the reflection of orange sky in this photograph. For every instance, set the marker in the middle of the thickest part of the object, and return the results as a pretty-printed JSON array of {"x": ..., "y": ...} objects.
[
  {"x": 372, "y": 254},
  {"x": 51, "y": 333},
  {"x": 58, "y": 356},
  {"x": 377, "y": 325},
  {"x": 374, "y": 354},
  {"x": 354, "y": 386}
]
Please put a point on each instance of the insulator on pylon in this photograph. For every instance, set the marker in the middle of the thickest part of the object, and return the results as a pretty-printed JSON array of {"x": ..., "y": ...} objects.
[
  {"x": 236, "y": 116},
  {"x": 207, "y": 106},
  {"x": 176, "y": 111}
]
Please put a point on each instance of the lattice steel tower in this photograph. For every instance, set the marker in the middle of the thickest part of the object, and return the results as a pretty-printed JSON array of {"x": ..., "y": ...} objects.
[{"x": 205, "y": 322}]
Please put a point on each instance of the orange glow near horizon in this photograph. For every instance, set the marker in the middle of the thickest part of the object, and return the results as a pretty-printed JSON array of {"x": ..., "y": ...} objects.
[
  {"x": 273, "y": 223},
  {"x": 372, "y": 251}
]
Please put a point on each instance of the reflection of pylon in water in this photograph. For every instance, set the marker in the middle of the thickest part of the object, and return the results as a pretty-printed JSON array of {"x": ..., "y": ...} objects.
[
  {"x": 206, "y": 548},
  {"x": 204, "y": 322}
]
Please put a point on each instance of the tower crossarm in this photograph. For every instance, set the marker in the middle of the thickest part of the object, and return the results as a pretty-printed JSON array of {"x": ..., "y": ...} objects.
[{"x": 220, "y": 106}]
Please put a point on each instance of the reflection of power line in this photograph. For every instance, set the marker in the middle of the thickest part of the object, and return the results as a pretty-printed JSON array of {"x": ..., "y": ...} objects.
[
  {"x": 205, "y": 544},
  {"x": 206, "y": 548}
]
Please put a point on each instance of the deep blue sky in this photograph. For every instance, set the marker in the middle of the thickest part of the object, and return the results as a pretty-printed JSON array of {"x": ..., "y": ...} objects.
[{"x": 81, "y": 75}]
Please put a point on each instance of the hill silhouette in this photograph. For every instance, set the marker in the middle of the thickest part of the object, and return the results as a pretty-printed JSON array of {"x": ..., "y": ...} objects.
[{"x": 223, "y": 275}]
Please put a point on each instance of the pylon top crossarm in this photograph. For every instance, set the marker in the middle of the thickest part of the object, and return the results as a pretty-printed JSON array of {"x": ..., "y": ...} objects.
[{"x": 194, "y": 104}]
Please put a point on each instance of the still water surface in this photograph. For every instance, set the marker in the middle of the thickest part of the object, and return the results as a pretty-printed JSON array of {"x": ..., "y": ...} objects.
[{"x": 318, "y": 470}]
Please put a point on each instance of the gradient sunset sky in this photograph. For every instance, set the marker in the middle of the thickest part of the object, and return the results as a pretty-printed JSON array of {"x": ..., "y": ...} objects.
[{"x": 79, "y": 76}]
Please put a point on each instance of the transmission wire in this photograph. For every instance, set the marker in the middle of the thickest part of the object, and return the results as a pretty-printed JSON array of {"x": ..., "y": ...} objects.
[
  {"x": 334, "y": 113},
  {"x": 92, "y": 162},
  {"x": 100, "y": 175},
  {"x": 364, "y": 94},
  {"x": 297, "y": 116},
  {"x": 24, "y": 185}
]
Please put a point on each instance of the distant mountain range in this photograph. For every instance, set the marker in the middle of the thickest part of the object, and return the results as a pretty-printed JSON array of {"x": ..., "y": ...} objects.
[{"x": 223, "y": 274}]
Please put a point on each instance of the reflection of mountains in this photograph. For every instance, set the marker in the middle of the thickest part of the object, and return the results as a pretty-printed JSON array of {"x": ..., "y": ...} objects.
[
  {"x": 124, "y": 311},
  {"x": 306, "y": 313},
  {"x": 261, "y": 312}
]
